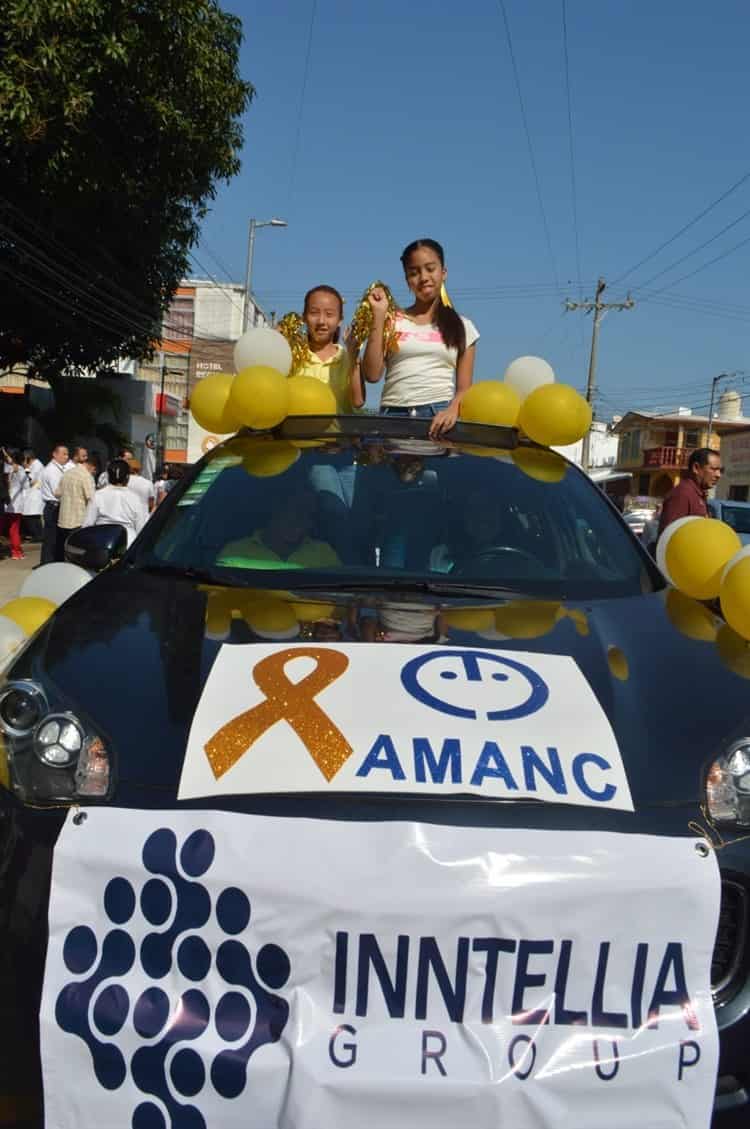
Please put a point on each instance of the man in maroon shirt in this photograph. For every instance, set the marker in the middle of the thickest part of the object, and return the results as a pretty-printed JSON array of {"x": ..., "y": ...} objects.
[{"x": 688, "y": 498}]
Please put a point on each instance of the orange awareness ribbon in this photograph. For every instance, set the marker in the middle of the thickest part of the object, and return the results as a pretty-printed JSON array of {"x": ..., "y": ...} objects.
[{"x": 288, "y": 701}]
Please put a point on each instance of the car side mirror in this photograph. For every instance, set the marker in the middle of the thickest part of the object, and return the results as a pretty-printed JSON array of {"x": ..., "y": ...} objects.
[{"x": 96, "y": 546}]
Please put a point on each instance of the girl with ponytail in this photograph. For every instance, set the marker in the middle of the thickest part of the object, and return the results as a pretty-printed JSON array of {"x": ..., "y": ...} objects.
[{"x": 433, "y": 364}]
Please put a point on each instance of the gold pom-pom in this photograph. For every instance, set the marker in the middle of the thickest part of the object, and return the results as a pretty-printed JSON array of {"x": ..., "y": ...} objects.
[
  {"x": 361, "y": 326},
  {"x": 292, "y": 327}
]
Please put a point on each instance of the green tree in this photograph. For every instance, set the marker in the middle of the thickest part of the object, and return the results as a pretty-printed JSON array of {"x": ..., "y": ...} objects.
[{"x": 118, "y": 119}]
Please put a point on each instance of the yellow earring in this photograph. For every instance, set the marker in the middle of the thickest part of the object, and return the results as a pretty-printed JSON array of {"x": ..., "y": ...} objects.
[{"x": 444, "y": 297}]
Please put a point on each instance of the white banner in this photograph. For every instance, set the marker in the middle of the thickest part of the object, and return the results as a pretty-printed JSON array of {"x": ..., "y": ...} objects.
[
  {"x": 209, "y": 969},
  {"x": 200, "y": 441},
  {"x": 426, "y": 719}
]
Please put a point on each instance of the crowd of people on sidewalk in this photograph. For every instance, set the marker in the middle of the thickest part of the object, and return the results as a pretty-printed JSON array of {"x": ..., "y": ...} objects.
[{"x": 46, "y": 503}]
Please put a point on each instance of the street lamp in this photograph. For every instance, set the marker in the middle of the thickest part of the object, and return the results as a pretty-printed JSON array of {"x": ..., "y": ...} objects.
[{"x": 254, "y": 225}]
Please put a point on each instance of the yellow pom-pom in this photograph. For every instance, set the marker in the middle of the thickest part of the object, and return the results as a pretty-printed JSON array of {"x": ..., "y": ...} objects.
[
  {"x": 690, "y": 617},
  {"x": 491, "y": 402},
  {"x": 292, "y": 328},
  {"x": 735, "y": 593},
  {"x": 362, "y": 320},
  {"x": 29, "y": 612},
  {"x": 544, "y": 466},
  {"x": 209, "y": 403},
  {"x": 259, "y": 397},
  {"x": 692, "y": 553},
  {"x": 555, "y": 415}
]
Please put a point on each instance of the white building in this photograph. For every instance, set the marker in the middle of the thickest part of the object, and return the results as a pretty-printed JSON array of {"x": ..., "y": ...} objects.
[{"x": 602, "y": 449}]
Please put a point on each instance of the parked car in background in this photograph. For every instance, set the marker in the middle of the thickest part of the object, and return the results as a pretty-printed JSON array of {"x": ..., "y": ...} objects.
[{"x": 736, "y": 514}]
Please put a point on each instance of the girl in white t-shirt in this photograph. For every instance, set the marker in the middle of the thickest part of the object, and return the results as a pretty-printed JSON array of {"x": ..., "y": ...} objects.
[{"x": 429, "y": 372}]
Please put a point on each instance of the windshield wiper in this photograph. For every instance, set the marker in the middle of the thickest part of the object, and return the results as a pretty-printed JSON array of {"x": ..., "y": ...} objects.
[
  {"x": 440, "y": 588},
  {"x": 186, "y": 572}
]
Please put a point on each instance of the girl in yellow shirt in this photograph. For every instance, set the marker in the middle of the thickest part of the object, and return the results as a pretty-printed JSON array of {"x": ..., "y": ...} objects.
[{"x": 328, "y": 360}]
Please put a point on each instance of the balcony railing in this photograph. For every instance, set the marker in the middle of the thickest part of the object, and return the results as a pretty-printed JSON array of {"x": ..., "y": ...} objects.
[{"x": 667, "y": 456}]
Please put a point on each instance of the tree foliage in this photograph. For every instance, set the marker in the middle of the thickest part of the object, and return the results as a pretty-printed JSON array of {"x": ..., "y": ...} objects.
[{"x": 118, "y": 119}]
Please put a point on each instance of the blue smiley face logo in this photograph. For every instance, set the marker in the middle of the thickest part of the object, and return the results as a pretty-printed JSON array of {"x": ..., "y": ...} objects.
[{"x": 476, "y": 667}]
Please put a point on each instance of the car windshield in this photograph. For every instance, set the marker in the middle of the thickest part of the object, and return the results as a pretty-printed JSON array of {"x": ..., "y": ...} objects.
[
  {"x": 738, "y": 517},
  {"x": 402, "y": 511}
]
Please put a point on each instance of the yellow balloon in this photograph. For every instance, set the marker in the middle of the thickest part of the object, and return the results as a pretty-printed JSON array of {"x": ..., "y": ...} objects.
[
  {"x": 268, "y": 459},
  {"x": 310, "y": 397},
  {"x": 555, "y": 415},
  {"x": 29, "y": 612},
  {"x": 209, "y": 403},
  {"x": 491, "y": 401},
  {"x": 311, "y": 612},
  {"x": 470, "y": 619},
  {"x": 618, "y": 664},
  {"x": 259, "y": 397},
  {"x": 545, "y": 466},
  {"x": 579, "y": 618},
  {"x": 527, "y": 619},
  {"x": 735, "y": 595},
  {"x": 270, "y": 617},
  {"x": 734, "y": 651},
  {"x": 696, "y": 555},
  {"x": 691, "y": 618}
]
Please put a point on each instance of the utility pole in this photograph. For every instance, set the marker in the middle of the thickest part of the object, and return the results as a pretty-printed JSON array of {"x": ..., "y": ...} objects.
[
  {"x": 597, "y": 306},
  {"x": 160, "y": 414},
  {"x": 253, "y": 227}
]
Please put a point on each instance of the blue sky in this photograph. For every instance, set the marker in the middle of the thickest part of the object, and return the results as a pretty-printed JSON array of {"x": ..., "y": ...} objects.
[{"x": 407, "y": 122}]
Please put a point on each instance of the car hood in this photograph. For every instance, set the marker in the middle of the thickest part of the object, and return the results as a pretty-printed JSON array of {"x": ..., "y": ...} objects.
[{"x": 133, "y": 650}]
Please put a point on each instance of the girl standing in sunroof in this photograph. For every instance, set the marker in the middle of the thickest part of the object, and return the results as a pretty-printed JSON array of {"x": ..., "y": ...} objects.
[{"x": 433, "y": 365}]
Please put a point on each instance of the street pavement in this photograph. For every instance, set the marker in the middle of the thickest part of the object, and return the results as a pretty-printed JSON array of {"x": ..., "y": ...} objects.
[{"x": 13, "y": 573}]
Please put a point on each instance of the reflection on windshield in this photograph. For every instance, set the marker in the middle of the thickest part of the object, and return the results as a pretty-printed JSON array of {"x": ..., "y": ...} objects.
[{"x": 408, "y": 509}]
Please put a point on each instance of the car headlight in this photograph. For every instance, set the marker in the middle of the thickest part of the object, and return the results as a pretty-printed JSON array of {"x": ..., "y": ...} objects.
[
  {"x": 728, "y": 786},
  {"x": 49, "y": 752}
]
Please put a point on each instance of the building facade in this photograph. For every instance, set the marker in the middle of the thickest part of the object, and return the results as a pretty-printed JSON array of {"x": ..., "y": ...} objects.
[
  {"x": 654, "y": 449},
  {"x": 201, "y": 325},
  {"x": 734, "y": 483}
]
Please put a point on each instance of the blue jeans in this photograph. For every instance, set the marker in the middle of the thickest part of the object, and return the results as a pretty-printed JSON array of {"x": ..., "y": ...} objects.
[{"x": 419, "y": 411}]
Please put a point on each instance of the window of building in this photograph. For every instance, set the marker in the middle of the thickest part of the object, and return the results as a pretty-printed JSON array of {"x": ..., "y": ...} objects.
[
  {"x": 178, "y": 322},
  {"x": 692, "y": 438},
  {"x": 643, "y": 484},
  {"x": 738, "y": 493}
]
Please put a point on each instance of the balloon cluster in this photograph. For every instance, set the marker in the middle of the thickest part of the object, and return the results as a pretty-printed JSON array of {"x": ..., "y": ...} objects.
[
  {"x": 704, "y": 559},
  {"x": 260, "y": 396},
  {"x": 553, "y": 415},
  {"x": 41, "y": 594},
  {"x": 271, "y": 615}
]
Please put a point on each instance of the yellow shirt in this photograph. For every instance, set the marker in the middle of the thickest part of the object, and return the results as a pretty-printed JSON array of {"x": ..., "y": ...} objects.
[
  {"x": 335, "y": 373},
  {"x": 252, "y": 552}
]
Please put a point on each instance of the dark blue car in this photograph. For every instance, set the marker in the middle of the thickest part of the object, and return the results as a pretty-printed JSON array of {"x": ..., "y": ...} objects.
[{"x": 519, "y": 678}]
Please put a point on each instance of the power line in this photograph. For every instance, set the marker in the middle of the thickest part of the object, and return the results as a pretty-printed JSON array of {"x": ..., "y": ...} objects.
[
  {"x": 686, "y": 227},
  {"x": 573, "y": 190},
  {"x": 216, "y": 282},
  {"x": 703, "y": 266},
  {"x": 695, "y": 251},
  {"x": 301, "y": 106},
  {"x": 532, "y": 158}
]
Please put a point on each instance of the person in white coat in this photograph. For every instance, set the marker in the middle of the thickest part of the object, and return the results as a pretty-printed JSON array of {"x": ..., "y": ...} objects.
[
  {"x": 117, "y": 504},
  {"x": 32, "y": 504}
]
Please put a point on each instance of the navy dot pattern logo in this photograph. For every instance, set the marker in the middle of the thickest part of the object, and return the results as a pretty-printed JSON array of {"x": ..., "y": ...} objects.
[{"x": 165, "y": 1067}]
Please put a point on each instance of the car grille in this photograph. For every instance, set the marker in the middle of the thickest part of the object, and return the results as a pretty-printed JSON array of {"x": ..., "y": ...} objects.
[{"x": 727, "y": 961}]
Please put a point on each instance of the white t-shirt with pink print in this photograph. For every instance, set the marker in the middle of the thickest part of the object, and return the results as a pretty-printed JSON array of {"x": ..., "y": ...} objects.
[{"x": 423, "y": 371}]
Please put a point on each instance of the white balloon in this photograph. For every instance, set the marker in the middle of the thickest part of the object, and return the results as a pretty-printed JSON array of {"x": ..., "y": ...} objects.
[
  {"x": 263, "y": 346},
  {"x": 11, "y": 638},
  {"x": 527, "y": 373},
  {"x": 55, "y": 582}
]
